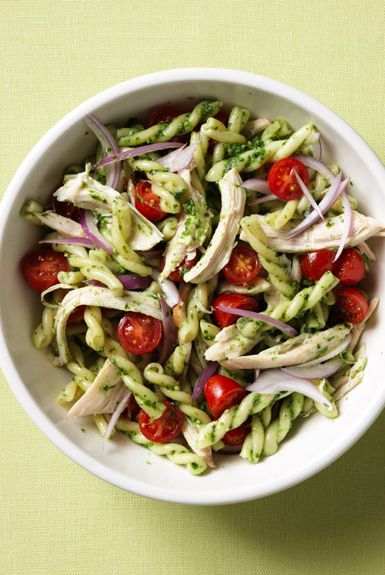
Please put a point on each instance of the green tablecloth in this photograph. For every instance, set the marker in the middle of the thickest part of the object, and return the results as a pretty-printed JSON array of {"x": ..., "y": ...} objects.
[{"x": 56, "y": 518}]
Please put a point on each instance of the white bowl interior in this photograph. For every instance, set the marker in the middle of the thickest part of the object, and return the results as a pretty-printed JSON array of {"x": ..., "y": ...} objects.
[{"x": 314, "y": 442}]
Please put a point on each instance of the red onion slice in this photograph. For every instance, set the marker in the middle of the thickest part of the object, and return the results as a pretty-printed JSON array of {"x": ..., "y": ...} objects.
[
  {"x": 92, "y": 232},
  {"x": 170, "y": 333},
  {"x": 133, "y": 281},
  {"x": 316, "y": 371},
  {"x": 273, "y": 381},
  {"x": 284, "y": 327},
  {"x": 137, "y": 152},
  {"x": 337, "y": 350},
  {"x": 330, "y": 198},
  {"x": 199, "y": 386},
  {"x": 116, "y": 414},
  {"x": 257, "y": 185},
  {"x": 347, "y": 225},
  {"x": 108, "y": 143},
  {"x": 316, "y": 165},
  {"x": 178, "y": 159},
  {"x": 307, "y": 194},
  {"x": 263, "y": 199}
]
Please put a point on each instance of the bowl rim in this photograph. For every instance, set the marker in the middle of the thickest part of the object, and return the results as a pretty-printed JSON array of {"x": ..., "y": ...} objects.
[{"x": 53, "y": 433}]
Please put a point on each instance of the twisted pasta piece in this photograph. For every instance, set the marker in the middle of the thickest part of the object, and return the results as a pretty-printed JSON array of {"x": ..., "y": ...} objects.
[
  {"x": 181, "y": 124},
  {"x": 278, "y": 276},
  {"x": 196, "y": 307},
  {"x": 96, "y": 270},
  {"x": 197, "y": 140},
  {"x": 70, "y": 278},
  {"x": 43, "y": 334},
  {"x": 238, "y": 119},
  {"x": 290, "y": 409},
  {"x": 173, "y": 451},
  {"x": 95, "y": 332},
  {"x": 215, "y": 130},
  {"x": 168, "y": 227},
  {"x": 233, "y": 417},
  {"x": 253, "y": 445},
  {"x": 209, "y": 331},
  {"x": 169, "y": 386},
  {"x": 176, "y": 363},
  {"x": 280, "y": 218}
]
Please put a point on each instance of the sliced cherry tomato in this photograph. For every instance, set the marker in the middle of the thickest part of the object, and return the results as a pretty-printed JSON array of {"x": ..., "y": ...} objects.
[
  {"x": 78, "y": 315},
  {"x": 139, "y": 333},
  {"x": 237, "y": 435},
  {"x": 164, "y": 113},
  {"x": 234, "y": 300},
  {"x": 282, "y": 181},
  {"x": 351, "y": 304},
  {"x": 41, "y": 266},
  {"x": 166, "y": 427},
  {"x": 350, "y": 267},
  {"x": 243, "y": 266},
  {"x": 315, "y": 264},
  {"x": 177, "y": 274},
  {"x": 147, "y": 202},
  {"x": 221, "y": 392},
  {"x": 66, "y": 209}
]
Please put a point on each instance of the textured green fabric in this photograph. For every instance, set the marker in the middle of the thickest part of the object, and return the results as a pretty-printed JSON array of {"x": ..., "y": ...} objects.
[{"x": 56, "y": 518}]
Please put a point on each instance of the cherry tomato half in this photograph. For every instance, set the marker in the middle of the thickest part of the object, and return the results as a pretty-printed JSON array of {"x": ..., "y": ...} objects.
[
  {"x": 177, "y": 274},
  {"x": 350, "y": 267},
  {"x": 237, "y": 435},
  {"x": 147, "y": 202},
  {"x": 221, "y": 392},
  {"x": 233, "y": 300},
  {"x": 164, "y": 113},
  {"x": 66, "y": 209},
  {"x": 243, "y": 266},
  {"x": 139, "y": 333},
  {"x": 315, "y": 264},
  {"x": 351, "y": 304},
  {"x": 165, "y": 428},
  {"x": 282, "y": 181},
  {"x": 41, "y": 266},
  {"x": 78, "y": 315}
]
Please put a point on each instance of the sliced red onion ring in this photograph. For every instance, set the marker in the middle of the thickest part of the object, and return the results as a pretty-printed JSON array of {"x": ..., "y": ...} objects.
[
  {"x": 178, "y": 159},
  {"x": 274, "y": 381},
  {"x": 170, "y": 333},
  {"x": 170, "y": 292},
  {"x": 316, "y": 165},
  {"x": 84, "y": 242},
  {"x": 116, "y": 414},
  {"x": 108, "y": 143},
  {"x": 307, "y": 194},
  {"x": 137, "y": 152},
  {"x": 209, "y": 371},
  {"x": 263, "y": 199},
  {"x": 330, "y": 198},
  {"x": 337, "y": 350},
  {"x": 347, "y": 225},
  {"x": 317, "y": 371},
  {"x": 284, "y": 327},
  {"x": 129, "y": 282},
  {"x": 258, "y": 185},
  {"x": 91, "y": 230}
]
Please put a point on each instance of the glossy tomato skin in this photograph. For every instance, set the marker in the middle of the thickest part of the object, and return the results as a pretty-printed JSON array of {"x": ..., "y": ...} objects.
[
  {"x": 41, "y": 266},
  {"x": 221, "y": 392},
  {"x": 350, "y": 267},
  {"x": 139, "y": 333},
  {"x": 147, "y": 202},
  {"x": 165, "y": 428},
  {"x": 243, "y": 266},
  {"x": 233, "y": 300},
  {"x": 77, "y": 316},
  {"x": 315, "y": 264},
  {"x": 282, "y": 181},
  {"x": 66, "y": 209},
  {"x": 177, "y": 274},
  {"x": 237, "y": 435},
  {"x": 351, "y": 304}
]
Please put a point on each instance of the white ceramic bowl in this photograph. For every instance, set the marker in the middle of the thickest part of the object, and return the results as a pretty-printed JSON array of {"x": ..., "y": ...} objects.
[{"x": 313, "y": 444}]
